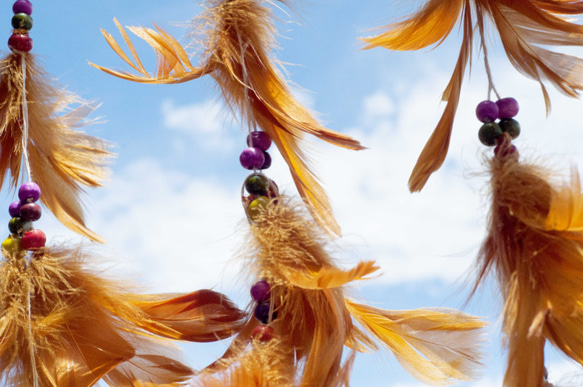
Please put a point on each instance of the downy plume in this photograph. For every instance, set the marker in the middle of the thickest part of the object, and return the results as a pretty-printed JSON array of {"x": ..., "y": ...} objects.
[
  {"x": 525, "y": 28},
  {"x": 237, "y": 39},
  {"x": 62, "y": 160}
]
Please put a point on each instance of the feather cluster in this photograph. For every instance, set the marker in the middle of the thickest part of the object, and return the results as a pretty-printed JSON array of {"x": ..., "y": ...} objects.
[
  {"x": 62, "y": 160},
  {"x": 525, "y": 27},
  {"x": 237, "y": 39},
  {"x": 63, "y": 325},
  {"x": 315, "y": 321},
  {"x": 535, "y": 247}
]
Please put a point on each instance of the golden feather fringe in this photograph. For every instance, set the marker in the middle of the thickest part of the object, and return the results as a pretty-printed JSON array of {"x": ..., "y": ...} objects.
[
  {"x": 535, "y": 247},
  {"x": 237, "y": 43},
  {"x": 315, "y": 321},
  {"x": 524, "y": 28},
  {"x": 62, "y": 160},
  {"x": 62, "y": 325}
]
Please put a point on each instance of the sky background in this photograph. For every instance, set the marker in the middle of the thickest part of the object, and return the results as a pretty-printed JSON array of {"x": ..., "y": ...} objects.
[{"x": 171, "y": 211}]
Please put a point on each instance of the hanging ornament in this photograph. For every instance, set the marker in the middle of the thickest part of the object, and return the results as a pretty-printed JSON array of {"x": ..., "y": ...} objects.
[
  {"x": 237, "y": 39},
  {"x": 302, "y": 320},
  {"x": 534, "y": 246},
  {"x": 525, "y": 27},
  {"x": 36, "y": 125}
]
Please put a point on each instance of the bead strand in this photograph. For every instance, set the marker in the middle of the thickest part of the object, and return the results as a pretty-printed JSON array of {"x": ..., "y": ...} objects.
[
  {"x": 265, "y": 312},
  {"x": 20, "y": 40},
  {"x": 493, "y": 133}
]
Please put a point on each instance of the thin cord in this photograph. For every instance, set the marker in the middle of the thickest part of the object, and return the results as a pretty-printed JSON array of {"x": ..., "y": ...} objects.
[
  {"x": 31, "y": 338},
  {"x": 25, "y": 120}
]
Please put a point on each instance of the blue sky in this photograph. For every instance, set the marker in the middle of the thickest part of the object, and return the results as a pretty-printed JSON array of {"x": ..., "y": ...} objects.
[{"x": 171, "y": 210}]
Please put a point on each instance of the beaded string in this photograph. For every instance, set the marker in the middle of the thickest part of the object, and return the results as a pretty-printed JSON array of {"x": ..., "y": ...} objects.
[{"x": 26, "y": 210}]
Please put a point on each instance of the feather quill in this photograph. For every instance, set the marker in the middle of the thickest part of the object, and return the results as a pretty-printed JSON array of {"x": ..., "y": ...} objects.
[
  {"x": 315, "y": 321},
  {"x": 62, "y": 160},
  {"x": 525, "y": 28},
  {"x": 62, "y": 325},
  {"x": 238, "y": 39},
  {"x": 535, "y": 247}
]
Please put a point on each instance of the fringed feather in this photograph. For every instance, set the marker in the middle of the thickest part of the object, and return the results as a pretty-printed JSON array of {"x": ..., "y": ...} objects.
[
  {"x": 524, "y": 28},
  {"x": 62, "y": 325},
  {"x": 62, "y": 160},
  {"x": 315, "y": 321},
  {"x": 237, "y": 44},
  {"x": 535, "y": 247}
]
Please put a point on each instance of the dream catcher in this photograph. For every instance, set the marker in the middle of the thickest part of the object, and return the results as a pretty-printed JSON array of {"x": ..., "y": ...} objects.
[
  {"x": 302, "y": 320},
  {"x": 62, "y": 324},
  {"x": 534, "y": 237}
]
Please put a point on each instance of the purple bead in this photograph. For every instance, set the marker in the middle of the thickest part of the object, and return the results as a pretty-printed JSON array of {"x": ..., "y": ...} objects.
[
  {"x": 508, "y": 107},
  {"x": 259, "y": 140},
  {"x": 22, "y": 6},
  {"x": 29, "y": 193},
  {"x": 487, "y": 111},
  {"x": 30, "y": 211},
  {"x": 260, "y": 291},
  {"x": 14, "y": 209},
  {"x": 252, "y": 158},
  {"x": 267, "y": 162}
]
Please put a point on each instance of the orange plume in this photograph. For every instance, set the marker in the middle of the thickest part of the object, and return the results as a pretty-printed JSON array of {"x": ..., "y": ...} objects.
[
  {"x": 62, "y": 160},
  {"x": 535, "y": 247},
  {"x": 237, "y": 43},
  {"x": 524, "y": 26},
  {"x": 313, "y": 321}
]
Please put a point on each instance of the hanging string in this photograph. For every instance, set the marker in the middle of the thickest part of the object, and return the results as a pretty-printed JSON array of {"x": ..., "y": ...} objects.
[{"x": 25, "y": 120}]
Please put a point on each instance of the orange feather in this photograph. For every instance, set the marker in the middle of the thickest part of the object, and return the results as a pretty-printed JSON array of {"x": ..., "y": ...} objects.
[
  {"x": 525, "y": 27},
  {"x": 238, "y": 38}
]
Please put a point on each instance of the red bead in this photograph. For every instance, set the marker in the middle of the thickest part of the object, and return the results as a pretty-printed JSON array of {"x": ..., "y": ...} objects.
[
  {"x": 33, "y": 240},
  {"x": 263, "y": 333},
  {"x": 30, "y": 211},
  {"x": 20, "y": 42}
]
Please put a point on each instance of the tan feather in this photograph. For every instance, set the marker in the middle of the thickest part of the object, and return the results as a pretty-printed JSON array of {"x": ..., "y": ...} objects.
[
  {"x": 525, "y": 27},
  {"x": 238, "y": 38},
  {"x": 535, "y": 247},
  {"x": 62, "y": 160},
  {"x": 315, "y": 321}
]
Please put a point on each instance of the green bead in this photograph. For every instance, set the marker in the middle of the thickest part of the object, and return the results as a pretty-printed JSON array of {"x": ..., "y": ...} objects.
[
  {"x": 22, "y": 21},
  {"x": 256, "y": 207},
  {"x": 489, "y": 133},
  {"x": 510, "y": 126},
  {"x": 17, "y": 225},
  {"x": 257, "y": 185},
  {"x": 10, "y": 246}
]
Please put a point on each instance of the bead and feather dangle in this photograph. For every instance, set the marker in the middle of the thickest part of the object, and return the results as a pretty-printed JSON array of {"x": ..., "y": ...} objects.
[{"x": 37, "y": 137}]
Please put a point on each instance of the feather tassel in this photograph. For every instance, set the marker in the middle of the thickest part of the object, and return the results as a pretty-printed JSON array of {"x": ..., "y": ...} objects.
[
  {"x": 534, "y": 245},
  {"x": 62, "y": 160},
  {"x": 237, "y": 44},
  {"x": 311, "y": 317},
  {"x": 525, "y": 27},
  {"x": 62, "y": 325}
]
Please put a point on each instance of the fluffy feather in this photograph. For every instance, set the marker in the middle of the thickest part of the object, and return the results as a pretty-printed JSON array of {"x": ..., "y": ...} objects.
[
  {"x": 524, "y": 28},
  {"x": 315, "y": 321},
  {"x": 62, "y": 160},
  {"x": 238, "y": 38},
  {"x": 535, "y": 247},
  {"x": 62, "y": 325}
]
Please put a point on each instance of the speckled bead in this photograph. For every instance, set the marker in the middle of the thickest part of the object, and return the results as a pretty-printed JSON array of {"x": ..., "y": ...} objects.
[
  {"x": 489, "y": 133},
  {"x": 262, "y": 313},
  {"x": 257, "y": 185},
  {"x": 507, "y": 107},
  {"x": 510, "y": 126},
  {"x": 17, "y": 225},
  {"x": 263, "y": 333},
  {"x": 22, "y": 6},
  {"x": 20, "y": 42},
  {"x": 33, "y": 240},
  {"x": 29, "y": 192},
  {"x": 14, "y": 208},
  {"x": 22, "y": 21},
  {"x": 256, "y": 207},
  {"x": 259, "y": 140},
  {"x": 252, "y": 158},
  {"x": 260, "y": 291},
  {"x": 487, "y": 111},
  {"x": 30, "y": 211}
]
